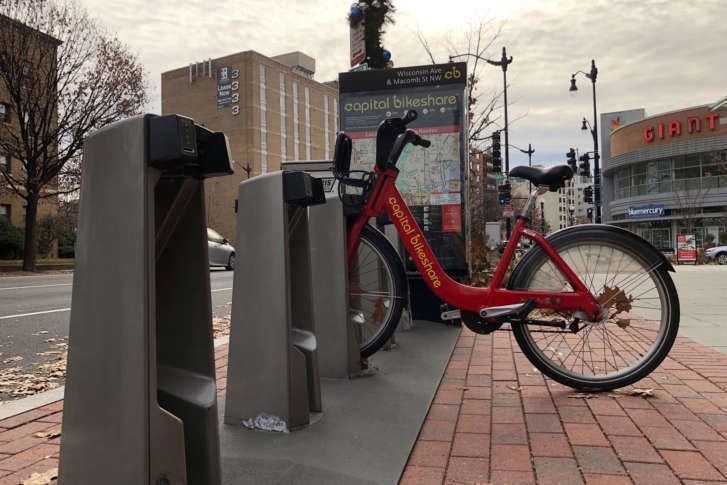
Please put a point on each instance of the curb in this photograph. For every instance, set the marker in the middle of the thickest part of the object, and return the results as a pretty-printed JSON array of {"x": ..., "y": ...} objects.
[
  {"x": 13, "y": 408},
  {"x": 11, "y": 268}
]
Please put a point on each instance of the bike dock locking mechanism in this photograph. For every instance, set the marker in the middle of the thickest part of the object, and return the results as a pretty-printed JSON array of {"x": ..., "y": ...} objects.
[
  {"x": 140, "y": 399},
  {"x": 272, "y": 374},
  {"x": 339, "y": 352}
]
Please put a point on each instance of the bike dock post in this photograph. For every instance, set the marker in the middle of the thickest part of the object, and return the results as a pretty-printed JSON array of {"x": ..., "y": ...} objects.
[
  {"x": 140, "y": 399},
  {"x": 339, "y": 354},
  {"x": 273, "y": 350}
]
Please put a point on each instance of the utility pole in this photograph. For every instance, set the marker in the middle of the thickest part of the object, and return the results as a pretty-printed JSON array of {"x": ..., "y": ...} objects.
[
  {"x": 503, "y": 62},
  {"x": 530, "y": 152}
]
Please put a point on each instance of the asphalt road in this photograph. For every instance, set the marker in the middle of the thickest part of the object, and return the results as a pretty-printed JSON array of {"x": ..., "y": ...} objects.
[{"x": 35, "y": 313}]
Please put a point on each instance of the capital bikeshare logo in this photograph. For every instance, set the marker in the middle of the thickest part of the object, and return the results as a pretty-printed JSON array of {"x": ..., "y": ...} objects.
[{"x": 416, "y": 241}]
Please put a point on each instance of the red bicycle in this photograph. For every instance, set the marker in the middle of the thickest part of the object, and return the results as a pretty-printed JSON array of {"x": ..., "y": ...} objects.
[{"x": 591, "y": 306}]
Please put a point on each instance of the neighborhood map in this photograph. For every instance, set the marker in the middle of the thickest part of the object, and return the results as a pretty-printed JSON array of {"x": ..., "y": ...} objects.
[{"x": 427, "y": 176}]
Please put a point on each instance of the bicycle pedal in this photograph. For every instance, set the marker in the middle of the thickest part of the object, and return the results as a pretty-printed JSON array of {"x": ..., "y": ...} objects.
[{"x": 527, "y": 308}]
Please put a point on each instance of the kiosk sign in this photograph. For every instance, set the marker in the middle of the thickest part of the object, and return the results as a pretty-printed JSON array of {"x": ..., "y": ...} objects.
[
  {"x": 686, "y": 248},
  {"x": 430, "y": 180}
]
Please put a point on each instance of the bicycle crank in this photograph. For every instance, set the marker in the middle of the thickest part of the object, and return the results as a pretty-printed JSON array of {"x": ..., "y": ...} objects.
[{"x": 480, "y": 325}]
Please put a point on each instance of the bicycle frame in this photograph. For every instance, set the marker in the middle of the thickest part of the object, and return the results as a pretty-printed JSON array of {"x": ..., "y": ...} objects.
[{"x": 385, "y": 196}]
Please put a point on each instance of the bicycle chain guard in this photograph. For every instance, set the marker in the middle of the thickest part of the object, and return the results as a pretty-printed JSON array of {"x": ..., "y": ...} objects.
[{"x": 480, "y": 325}]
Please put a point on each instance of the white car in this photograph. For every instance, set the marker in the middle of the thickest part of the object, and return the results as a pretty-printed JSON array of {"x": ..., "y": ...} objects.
[
  {"x": 718, "y": 254},
  {"x": 221, "y": 252}
]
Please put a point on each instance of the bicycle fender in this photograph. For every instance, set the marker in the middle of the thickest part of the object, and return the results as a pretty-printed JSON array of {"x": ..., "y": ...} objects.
[{"x": 644, "y": 247}]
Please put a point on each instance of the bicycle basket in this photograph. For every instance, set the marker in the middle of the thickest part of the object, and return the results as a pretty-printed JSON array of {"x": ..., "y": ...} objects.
[{"x": 354, "y": 189}]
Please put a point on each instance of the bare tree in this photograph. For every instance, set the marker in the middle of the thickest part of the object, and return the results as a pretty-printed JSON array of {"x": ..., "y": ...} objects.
[
  {"x": 64, "y": 77},
  {"x": 472, "y": 46}
]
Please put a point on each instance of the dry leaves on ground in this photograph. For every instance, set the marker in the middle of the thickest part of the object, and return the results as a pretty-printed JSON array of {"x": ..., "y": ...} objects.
[
  {"x": 12, "y": 359},
  {"x": 16, "y": 381},
  {"x": 221, "y": 326},
  {"x": 47, "y": 434},
  {"x": 41, "y": 478},
  {"x": 584, "y": 395}
]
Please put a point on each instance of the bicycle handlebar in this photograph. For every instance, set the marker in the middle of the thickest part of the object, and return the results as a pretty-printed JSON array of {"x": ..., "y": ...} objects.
[
  {"x": 389, "y": 141},
  {"x": 401, "y": 141}
]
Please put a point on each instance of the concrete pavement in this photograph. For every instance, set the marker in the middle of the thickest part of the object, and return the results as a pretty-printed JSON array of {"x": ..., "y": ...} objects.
[{"x": 703, "y": 299}]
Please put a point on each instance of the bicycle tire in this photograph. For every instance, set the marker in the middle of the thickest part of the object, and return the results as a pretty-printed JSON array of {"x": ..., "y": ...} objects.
[
  {"x": 629, "y": 330},
  {"x": 376, "y": 302}
]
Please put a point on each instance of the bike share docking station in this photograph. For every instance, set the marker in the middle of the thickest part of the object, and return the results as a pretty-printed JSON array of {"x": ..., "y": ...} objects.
[
  {"x": 140, "y": 400},
  {"x": 273, "y": 356}
]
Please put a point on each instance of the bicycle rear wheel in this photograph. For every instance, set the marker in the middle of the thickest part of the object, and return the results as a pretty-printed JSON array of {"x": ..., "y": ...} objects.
[
  {"x": 640, "y": 303},
  {"x": 377, "y": 290}
]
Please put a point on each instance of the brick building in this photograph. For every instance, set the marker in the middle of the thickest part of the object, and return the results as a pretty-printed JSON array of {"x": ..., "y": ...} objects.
[
  {"x": 12, "y": 206},
  {"x": 271, "y": 110}
]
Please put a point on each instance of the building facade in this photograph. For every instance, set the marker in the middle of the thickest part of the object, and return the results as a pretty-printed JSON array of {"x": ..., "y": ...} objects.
[
  {"x": 667, "y": 175},
  {"x": 13, "y": 206},
  {"x": 271, "y": 110}
]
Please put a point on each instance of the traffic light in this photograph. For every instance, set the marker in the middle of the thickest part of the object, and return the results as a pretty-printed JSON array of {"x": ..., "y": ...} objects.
[
  {"x": 572, "y": 160},
  {"x": 496, "y": 155},
  {"x": 585, "y": 166},
  {"x": 588, "y": 195},
  {"x": 504, "y": 193}
]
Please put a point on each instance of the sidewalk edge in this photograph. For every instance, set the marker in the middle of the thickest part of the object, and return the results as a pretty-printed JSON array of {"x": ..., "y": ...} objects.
[{"x": 13, "y": 408}]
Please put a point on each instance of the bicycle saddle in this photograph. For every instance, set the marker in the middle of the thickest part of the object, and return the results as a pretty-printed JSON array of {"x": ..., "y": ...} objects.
[{"x": 553, "y": 177}]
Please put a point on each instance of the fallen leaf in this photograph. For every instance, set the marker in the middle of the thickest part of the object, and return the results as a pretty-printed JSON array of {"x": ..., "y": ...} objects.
[
  {"x": 41, "y": 478},
  {"x": 583, "y": 395},
  {"x": 50, "y": 340},
  {"x": 642, "y": 392},
  {"x": 514, "y": 388},
  {"x": 48, "y": 434},
  {"x": 12, "y": 359}
]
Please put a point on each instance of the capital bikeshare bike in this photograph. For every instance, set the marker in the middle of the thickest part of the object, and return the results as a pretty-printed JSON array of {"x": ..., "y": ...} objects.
[{"x": 591, "y": 306}]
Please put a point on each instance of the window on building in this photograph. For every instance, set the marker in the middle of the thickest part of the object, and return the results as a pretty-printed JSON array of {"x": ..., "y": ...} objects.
[
  {"x": 4, "y": 163},
  {"x": 4, "y": 112},
  {"x": 5, "y": 211}
]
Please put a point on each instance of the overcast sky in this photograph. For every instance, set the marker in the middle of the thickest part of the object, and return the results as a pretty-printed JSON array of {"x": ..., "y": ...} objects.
[{"x": 652, "y": 54}]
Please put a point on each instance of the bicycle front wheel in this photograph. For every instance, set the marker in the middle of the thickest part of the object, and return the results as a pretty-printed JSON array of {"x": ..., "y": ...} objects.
[
  {"x": 636, "y": 293},
  {"x": 377, "y": 290}
]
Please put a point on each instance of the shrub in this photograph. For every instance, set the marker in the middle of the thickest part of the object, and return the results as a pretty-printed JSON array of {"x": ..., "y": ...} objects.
[
  {"x": 12, "y": 240},
  {"x": 708, "y": 240},
  {"x": 723, "y": 237},
  {"x": 46, "y": 236}
]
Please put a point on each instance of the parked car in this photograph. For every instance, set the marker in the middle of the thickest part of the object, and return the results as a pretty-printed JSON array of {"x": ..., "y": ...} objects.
[
  {"x": 718, "y": 254},
  {"x": 221, "y": 252}
]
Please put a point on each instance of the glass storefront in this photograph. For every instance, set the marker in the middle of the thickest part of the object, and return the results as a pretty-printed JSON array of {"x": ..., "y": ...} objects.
[
  {"x": 662, "y": 234},
  {"x": 693, "y": 172}
]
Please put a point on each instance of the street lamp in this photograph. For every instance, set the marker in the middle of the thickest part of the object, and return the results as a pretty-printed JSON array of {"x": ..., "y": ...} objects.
[
  {"x": 594, "y": 132},
  {"x": 503, "y": 62},
  {"x": 530, "y": 152}
]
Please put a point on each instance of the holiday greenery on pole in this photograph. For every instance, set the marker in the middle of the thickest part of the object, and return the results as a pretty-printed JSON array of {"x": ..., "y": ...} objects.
[{"x": 374, "y": 14}]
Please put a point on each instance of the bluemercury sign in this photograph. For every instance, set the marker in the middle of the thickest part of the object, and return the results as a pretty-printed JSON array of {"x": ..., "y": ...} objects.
[
  {"x": 646, "y": 211},
  {"x": 430, "y": 180},
  {"x": 224, "y": 87}
]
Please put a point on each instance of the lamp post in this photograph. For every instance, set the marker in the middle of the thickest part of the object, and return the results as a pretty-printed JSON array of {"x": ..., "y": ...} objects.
[
  {"x": 594, "y": 132},
  {"x": 503, "y": 63},
  {"x": 530, "y": 152}
]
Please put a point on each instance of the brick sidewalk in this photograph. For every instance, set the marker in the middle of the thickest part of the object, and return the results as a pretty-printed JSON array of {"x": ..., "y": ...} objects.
[
  {"x": 30, "y": 442},
  {"x": 495, "y": 419}
]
